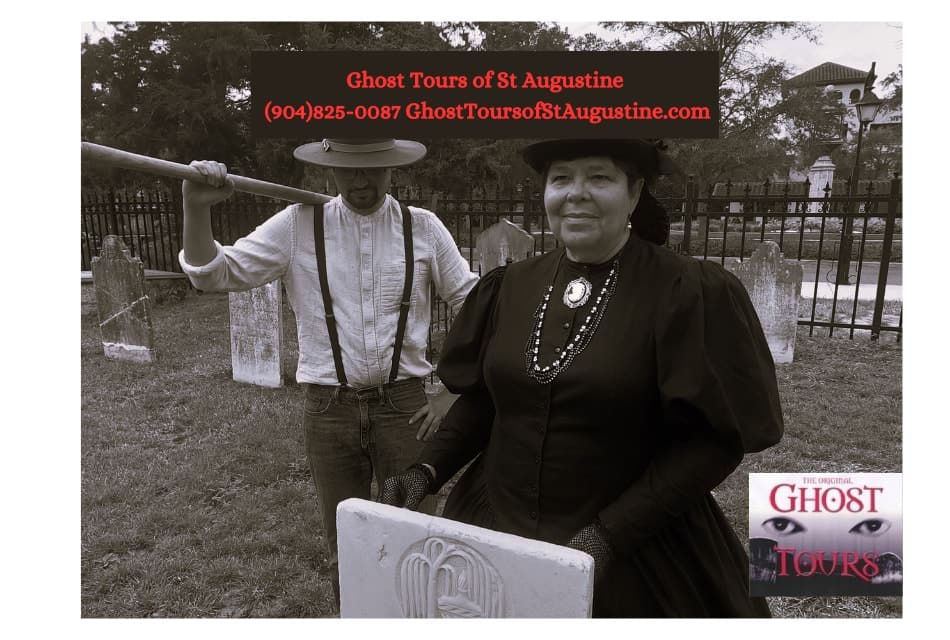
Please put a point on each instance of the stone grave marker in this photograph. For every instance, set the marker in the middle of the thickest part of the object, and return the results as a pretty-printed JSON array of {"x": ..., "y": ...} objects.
[
  {"x": 820, "y": 175},
  {"x": 396, "y": 563},
  {"x": 125, "y": 319},
  {"x": 257, "y": 334},
  {"x": 775, "y": 286},
  {"x": 501, "y": 242}
]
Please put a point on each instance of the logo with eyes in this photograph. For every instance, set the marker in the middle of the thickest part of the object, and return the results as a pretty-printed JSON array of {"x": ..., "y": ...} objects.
[{"x": 781, "y": 526}]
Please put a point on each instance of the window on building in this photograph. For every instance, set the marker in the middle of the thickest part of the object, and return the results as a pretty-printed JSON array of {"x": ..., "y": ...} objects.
[{"x": 854, "y": 96}]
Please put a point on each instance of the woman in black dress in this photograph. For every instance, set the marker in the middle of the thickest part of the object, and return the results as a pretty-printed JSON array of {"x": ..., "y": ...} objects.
[{"x": 609, "y": 386}]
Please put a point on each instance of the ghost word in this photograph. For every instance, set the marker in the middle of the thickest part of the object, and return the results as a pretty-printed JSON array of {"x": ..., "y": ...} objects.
[{"x": 790, "y": 497}]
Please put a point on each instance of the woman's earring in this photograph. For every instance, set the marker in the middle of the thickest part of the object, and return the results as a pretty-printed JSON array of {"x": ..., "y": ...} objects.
[{"x": 629, "y": 224}]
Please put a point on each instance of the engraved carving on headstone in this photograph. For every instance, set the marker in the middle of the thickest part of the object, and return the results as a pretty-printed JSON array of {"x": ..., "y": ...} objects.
[
  {"x": 774, "y": 285},
  {"x": 125, "y": 320},
  {"x": 445, "y": 578},
  {"x": 502, "y": 242},
  {"x": 257, "y": 335},
  {"x": 396, "y": 563}
]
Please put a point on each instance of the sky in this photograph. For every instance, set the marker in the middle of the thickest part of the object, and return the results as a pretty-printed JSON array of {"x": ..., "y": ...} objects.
[{"x": 853, "y": 44}]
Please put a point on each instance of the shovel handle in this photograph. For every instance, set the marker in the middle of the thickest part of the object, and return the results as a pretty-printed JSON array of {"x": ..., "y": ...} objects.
[{"x": 110, "y": 156}]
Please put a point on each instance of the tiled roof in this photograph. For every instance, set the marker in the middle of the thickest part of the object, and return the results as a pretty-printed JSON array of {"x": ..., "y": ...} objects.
[{"x": 828, "y": 73}]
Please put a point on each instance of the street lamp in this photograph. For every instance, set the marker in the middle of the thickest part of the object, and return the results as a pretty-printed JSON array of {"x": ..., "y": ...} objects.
[{"x": 867, "y": 108}]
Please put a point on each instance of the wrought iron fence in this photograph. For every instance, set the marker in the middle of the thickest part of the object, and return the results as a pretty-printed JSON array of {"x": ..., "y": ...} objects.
[
  {"x": 848, "y": 275},
  {"x": 148, "y": 221},
  {"x": 847, "y": 245}
]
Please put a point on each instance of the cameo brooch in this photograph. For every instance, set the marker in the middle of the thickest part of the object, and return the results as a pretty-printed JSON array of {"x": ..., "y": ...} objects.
[{"x": 577, "y": 293}]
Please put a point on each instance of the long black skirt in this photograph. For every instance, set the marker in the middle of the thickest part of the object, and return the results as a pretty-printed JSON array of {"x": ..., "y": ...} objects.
[{"x": 694, "y": 568}]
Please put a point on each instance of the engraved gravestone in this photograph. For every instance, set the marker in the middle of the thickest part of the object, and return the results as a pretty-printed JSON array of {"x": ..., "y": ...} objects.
[
  {"x": 774, "y": 285},
  {"x": 396, "y": 563},
  {"x": 125, "y": 320},
  {"x": 502, "y": 242},
  {"x": 257, "y": 335}
]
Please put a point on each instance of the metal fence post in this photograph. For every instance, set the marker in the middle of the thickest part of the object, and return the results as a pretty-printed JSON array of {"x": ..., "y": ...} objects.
[
  {"x": 112, "y": 221},
  {"x": 889, "y": 225},
  {"x": 178, "y": 208},
  {"x": 690, "y": 211},
  {"x": 526, "y": 196}
]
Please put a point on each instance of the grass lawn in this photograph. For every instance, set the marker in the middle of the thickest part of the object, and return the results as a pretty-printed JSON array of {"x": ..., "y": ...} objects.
[{"x": 197, "y": 499}]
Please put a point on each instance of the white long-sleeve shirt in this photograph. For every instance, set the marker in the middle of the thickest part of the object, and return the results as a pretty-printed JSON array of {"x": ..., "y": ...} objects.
[{"x": 365, "y": 272}]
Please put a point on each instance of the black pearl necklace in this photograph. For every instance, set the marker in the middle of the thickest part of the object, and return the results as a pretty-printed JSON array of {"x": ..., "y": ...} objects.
[{"x": 544, "y": 374}]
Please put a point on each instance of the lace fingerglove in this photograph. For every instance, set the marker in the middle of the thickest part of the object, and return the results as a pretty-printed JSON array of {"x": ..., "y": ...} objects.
[
  {"x": 592, "y": 540},
  {"x": 409, "y": 488}
]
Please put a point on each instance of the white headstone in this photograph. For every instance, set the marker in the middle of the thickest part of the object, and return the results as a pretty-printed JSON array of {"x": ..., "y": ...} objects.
[
  {"x": 125, "y": 316},
  {"x": 396, "y": 563},
  {"x": 257, "y": 335},
  {"x": 502, "y": 242},
  {"x": 820, "y": 175},
  {"x": 775, "y": 288}
]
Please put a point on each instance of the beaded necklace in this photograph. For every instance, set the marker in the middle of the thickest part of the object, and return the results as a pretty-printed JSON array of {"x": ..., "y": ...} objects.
[{"x": 547, "y": 373}]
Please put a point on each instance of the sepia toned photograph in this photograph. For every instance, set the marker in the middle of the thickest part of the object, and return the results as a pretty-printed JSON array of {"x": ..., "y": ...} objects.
[{"x": 345, "y": 376}]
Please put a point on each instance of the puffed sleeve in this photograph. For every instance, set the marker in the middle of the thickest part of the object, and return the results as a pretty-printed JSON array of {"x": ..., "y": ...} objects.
[
  {"x": 719, "y": 399},
  {"x": 465, "y": 429},
  {"x": 714, "y": 364}
]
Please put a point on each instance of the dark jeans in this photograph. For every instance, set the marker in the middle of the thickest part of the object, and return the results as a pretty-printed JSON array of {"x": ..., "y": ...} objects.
[{"x": 351, "y": 436}]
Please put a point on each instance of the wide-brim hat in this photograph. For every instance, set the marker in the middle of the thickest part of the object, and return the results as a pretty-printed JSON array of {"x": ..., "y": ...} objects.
[
  {"x": 648, "y": 155},
  {"x": 363, "y": 153}
]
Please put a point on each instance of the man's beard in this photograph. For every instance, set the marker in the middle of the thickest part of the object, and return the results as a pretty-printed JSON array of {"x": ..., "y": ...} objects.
[{"x": 366, "y": 195}]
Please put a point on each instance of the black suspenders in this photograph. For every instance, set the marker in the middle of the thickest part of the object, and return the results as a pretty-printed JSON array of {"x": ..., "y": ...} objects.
[
  {"x": 406, "y": 290},
  {"x": 321, "y": 252}
]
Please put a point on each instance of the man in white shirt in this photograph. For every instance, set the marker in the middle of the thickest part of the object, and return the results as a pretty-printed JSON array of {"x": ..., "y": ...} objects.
[{"x": 366, "y": 412}]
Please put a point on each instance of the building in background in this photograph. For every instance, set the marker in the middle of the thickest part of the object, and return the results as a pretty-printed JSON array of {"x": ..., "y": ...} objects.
[{"x": 848, "y": 84}]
